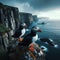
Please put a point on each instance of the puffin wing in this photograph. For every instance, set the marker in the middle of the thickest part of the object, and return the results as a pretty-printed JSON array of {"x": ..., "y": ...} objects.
[
  {"x": 17, "y": 34},
  {"x": 27, "y": 40}
]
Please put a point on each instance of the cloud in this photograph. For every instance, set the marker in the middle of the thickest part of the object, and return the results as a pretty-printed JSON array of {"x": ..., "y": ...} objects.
[
  {"x": 38, "y": 7},
  {"x": 36, "y": 4},
  {"x": 41, "y": 4},
  {"x": 24, "y": 7},
  {"x": 52, "y": 14}
]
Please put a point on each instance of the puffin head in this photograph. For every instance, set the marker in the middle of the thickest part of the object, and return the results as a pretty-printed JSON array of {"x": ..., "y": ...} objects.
[
  {"x": 24, "y": 25},
  {"x": 34, "y": 30}
]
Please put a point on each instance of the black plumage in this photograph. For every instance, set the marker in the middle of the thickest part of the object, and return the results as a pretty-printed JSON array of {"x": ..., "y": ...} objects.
[
  {"x": 28, "y": 38},
  {"x": 18, "y": 32}
]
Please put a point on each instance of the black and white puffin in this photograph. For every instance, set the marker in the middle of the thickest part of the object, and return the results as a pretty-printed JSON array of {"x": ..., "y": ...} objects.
[
  {"x": 20, "y": 31},
  {"x": 28, "y": 39},
  {"x": 35, "y": 38}
]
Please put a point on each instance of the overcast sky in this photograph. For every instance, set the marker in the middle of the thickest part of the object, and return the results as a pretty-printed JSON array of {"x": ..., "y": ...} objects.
[{"x": 42, "y": 8}]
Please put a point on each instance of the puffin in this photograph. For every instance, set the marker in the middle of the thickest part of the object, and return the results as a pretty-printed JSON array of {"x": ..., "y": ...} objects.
[
  {"x": 35, "y": 38},
  {"x": 31, "y": 37},
  {"x": 20, "y": 31}
]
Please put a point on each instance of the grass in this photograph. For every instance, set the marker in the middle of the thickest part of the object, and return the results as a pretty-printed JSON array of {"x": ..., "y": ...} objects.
[{"x": 3, "y": 29}]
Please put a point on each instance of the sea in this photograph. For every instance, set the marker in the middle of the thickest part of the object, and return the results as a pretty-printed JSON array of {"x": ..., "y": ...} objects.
[{"x": 51, "y": 30}]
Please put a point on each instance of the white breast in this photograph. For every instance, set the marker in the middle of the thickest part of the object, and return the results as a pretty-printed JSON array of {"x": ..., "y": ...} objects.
[
  {"x": 35, "y": 38},
  {"x": 23, "y": 32}
]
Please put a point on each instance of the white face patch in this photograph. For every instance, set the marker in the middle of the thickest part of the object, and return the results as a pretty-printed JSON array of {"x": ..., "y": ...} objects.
[
  {"x": 36, "y": 28},
  {"x": 35, "y": 38}
]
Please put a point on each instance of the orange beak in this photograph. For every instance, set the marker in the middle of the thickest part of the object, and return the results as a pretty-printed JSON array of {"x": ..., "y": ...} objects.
[{"x": 39, "y": 30}]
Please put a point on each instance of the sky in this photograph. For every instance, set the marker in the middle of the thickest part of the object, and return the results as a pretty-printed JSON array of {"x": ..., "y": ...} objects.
[{"x": 41, "y": 8}]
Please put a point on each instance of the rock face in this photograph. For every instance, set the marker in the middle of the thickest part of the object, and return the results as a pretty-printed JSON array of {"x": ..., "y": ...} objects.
[
  {"x": 9, "y": 17},
  {"x": 35, "y": 18},
  {"x": 26, "y": 17}
]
